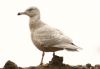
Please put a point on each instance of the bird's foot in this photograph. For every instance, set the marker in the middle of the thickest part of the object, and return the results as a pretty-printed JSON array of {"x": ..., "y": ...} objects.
[{"x": 41, "y": 63}]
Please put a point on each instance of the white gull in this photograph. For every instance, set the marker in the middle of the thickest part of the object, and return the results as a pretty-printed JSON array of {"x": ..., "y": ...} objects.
[{"x": 45, "y": 37}]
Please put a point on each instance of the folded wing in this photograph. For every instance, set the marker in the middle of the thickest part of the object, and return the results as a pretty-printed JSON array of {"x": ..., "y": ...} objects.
[{"x": 49, "y": 36}]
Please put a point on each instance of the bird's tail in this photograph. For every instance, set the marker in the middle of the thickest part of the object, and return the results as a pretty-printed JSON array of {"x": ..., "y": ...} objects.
[
  {"x": 73, "y": 47},
  {"x": 69, "y": 47}
]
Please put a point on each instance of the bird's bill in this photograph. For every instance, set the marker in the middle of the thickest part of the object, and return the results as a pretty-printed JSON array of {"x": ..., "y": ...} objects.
[{"x": 21, "y": 13}]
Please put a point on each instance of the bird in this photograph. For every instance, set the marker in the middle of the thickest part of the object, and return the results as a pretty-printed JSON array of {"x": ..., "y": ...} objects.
[{"x": 45, "y": 37}]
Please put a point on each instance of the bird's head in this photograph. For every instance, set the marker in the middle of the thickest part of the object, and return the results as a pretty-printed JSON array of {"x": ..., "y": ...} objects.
[{"x": 31, "y": 12}]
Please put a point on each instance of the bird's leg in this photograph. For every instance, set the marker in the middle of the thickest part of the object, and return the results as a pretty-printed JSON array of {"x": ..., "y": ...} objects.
[
  {"x": 53, "y": 54},
  {"x": 42, "y": 58}
]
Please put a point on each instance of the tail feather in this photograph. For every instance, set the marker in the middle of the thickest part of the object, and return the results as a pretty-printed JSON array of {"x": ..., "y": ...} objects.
[{"x": 69, "y": 47}]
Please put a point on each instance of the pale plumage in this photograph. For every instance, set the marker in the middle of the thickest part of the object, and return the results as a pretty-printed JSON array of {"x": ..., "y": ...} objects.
[
  {"x": 45, "y": 37},
  {"x": 51, "y": 37}
]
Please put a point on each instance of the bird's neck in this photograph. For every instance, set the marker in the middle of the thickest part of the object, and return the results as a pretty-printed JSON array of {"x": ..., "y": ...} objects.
[
  {"x": 35, "y": 22},
  {"x": 34, "y": 18}
]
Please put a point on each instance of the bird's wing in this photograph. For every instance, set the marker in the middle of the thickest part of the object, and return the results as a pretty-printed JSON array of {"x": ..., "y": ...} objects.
[{"x": 49, "y": 36}]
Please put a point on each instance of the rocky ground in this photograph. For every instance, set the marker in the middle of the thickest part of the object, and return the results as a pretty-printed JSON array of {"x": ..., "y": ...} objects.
[{"x": 55, "y": 63}]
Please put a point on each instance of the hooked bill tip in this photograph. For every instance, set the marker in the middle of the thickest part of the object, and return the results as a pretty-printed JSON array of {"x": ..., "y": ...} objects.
[{"x": 18, "y": 14}]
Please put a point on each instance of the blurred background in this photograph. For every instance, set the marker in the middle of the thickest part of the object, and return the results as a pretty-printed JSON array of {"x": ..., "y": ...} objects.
[{"x": 78, "y": 19}]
